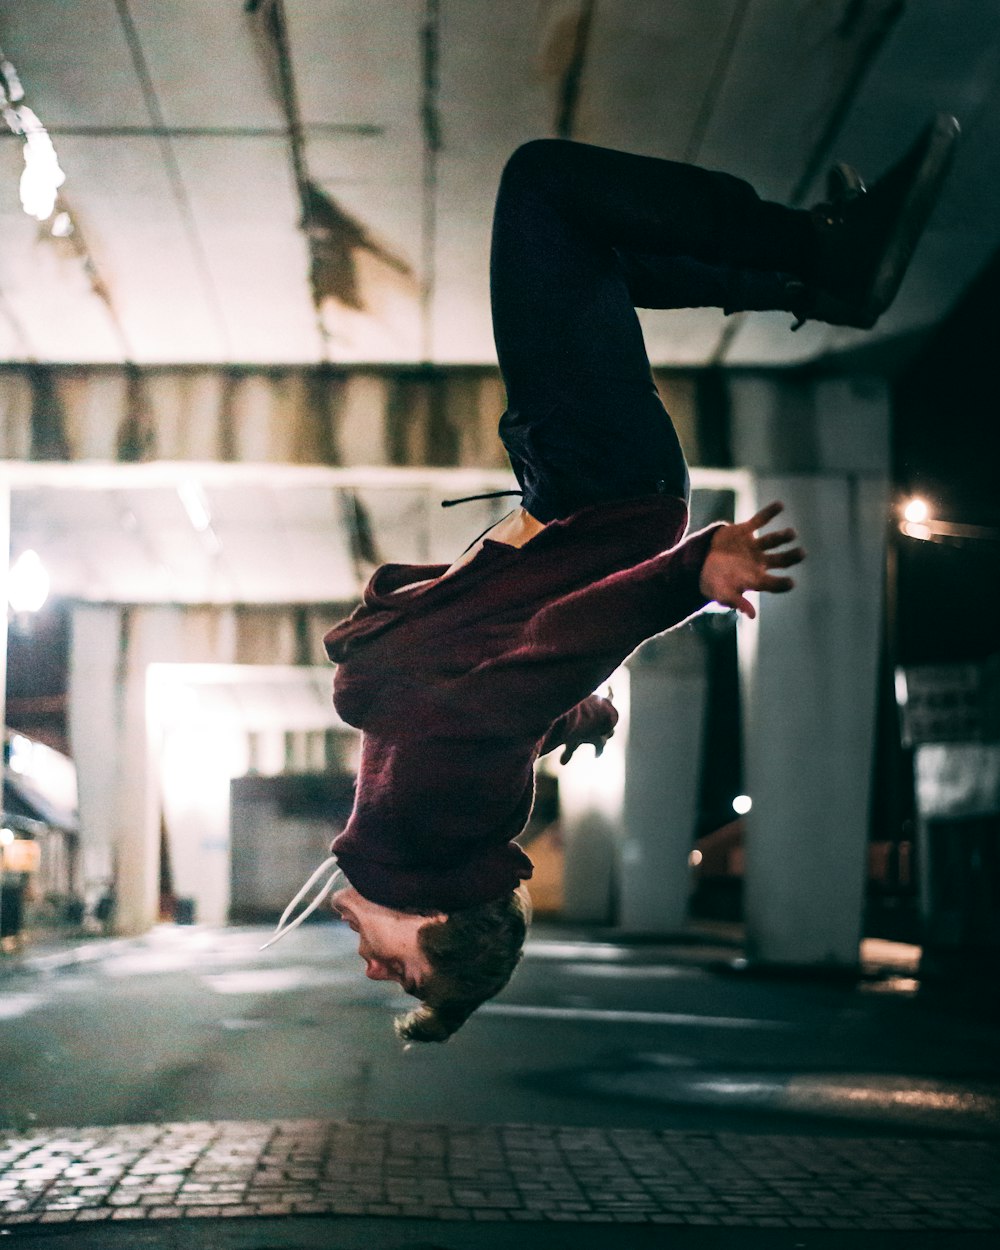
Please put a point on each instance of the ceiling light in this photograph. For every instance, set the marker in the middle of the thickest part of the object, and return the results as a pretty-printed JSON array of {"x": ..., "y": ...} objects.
[
  {"x": 41, "y": 177},
  {"x": 27, "y": 583}
]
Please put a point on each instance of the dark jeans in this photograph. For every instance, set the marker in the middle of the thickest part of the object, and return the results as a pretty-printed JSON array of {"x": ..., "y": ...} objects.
[{"x": 582, "y": 236}]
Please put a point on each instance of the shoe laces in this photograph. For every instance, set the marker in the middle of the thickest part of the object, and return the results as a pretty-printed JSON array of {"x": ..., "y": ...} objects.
[
  {"x": 493, "y": 494},
  {"x": 283, "y": 927}
]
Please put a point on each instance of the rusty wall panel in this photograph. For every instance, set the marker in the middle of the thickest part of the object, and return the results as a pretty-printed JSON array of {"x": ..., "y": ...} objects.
[
  {"x": 319, "y": 415},
  {"x": 15, "y": 414}
]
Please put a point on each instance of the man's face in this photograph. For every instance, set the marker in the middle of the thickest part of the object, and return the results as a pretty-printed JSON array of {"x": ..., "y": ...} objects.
[{"x": 387, "y": 939}]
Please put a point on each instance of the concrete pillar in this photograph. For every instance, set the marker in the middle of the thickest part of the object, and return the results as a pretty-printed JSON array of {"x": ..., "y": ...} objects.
[
  {"x": 591, "y": 801},
  {"x": 116, "y": 734},
  {"x": 668, "y": 688},
  {"x": 97, "y": 730},
  {"x": 4, "y": 595},
  {"x": 810, "y": 665}
]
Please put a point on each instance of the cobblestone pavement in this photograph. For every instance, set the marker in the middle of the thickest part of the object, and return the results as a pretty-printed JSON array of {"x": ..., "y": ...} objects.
[{"x": 504, "y": 1173}]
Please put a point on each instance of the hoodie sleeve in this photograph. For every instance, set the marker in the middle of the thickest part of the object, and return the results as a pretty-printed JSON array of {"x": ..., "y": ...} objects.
[
  {"x": 592, "y": 720},
  {"x": 615, "y": 614}
]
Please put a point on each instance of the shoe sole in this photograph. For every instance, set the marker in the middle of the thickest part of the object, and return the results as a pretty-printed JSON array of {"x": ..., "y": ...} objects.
[{"x": 938, "y": 143}]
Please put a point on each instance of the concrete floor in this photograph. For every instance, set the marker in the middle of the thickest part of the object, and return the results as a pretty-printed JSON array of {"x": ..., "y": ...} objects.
[
  {"x": 198, "y": 1024},
  {"x": 195, "y": 1024}
]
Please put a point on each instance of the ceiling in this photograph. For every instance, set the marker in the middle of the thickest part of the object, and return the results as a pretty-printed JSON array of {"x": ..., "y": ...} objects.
[{"x": 171, "y": 122}]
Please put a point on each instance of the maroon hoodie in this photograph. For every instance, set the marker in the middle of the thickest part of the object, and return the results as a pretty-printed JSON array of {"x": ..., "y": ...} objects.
[{"x": 460, "y": 685}]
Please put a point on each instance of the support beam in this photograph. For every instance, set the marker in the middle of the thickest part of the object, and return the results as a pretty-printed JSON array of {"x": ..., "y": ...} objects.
[
  {"x": 669, "y": 682},
  {"x": 810, "y": 665}
]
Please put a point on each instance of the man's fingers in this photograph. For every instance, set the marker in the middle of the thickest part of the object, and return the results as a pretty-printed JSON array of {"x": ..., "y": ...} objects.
[
  {"x": 761, "y": 518},
  {"x": 776, "y": 538},
  {"x": 785, "y": 559},
  {"x": 776, "y": 585},
  {"x": 744, "y": 605}
]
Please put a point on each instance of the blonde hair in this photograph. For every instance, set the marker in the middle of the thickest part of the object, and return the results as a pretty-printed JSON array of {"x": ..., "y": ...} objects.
[{"x": 472, "y": 955}]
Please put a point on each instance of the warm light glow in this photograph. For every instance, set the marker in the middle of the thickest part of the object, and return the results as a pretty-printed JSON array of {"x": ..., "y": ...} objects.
[
  {"x": 21, "y": 749},
  {"x": 916, "y": 510},
  {"x": 695, "y": 858},
  {"x": 51, "y": 774},
  {"x": 41, "y": 177},
  {"x": 742, "y": 804},
  {"x": 28, "y": 585}
]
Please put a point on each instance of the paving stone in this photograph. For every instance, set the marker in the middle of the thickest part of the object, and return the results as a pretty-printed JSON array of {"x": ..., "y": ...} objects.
[{"x": 525, "y": 1173}]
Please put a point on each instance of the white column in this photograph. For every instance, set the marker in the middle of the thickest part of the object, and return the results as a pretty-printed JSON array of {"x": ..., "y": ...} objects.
[
  {"x": 810, "y": 666},
  {"x": 97, "y": 734},
  {"x": 591, "y": 803},
  {"x": 668, "y": 690},
  {"x": 4, "y": 584}
]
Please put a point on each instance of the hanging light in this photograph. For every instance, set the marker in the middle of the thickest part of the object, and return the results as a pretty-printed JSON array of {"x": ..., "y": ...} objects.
[
  {"x": 41, "y": 177},
  {"x": 28, "y": 583}
]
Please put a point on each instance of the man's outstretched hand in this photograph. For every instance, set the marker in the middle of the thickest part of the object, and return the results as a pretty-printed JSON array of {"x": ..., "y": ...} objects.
[{"x": 740, "y": 560}]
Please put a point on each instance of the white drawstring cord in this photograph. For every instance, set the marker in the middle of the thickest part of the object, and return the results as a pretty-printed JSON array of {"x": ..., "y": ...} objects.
[{"x": 283, "y": 928}]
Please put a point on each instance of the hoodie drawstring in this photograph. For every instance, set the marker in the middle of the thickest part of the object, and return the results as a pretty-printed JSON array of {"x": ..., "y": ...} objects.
[{"x": 282, "y": 928}]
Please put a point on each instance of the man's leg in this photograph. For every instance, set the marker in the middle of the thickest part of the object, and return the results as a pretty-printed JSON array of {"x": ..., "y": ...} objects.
[
  {"x": 584, "y": 421},
  {"x": 568, "y": 213}
]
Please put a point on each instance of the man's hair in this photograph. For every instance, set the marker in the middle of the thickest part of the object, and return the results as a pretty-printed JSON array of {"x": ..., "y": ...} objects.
[{"x": 472, "y": 956}]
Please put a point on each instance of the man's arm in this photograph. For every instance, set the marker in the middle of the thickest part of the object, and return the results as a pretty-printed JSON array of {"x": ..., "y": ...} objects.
[{"x": 611, "y": 617}]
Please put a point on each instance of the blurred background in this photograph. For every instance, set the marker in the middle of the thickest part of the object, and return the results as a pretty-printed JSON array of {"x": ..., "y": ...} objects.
[{"x": 245, "y": 352}]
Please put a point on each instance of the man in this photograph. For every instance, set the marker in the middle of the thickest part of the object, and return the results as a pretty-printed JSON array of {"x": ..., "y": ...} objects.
[{"x": 460, "y": 677}]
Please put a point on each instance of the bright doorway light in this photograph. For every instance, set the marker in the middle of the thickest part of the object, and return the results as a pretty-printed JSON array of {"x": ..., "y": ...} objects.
[
  {"x": 28, "y": 585},
  {"x": 916, "y": 511}
]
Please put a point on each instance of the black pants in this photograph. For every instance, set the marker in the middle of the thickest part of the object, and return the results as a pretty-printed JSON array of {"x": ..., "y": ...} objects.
[{"x": 582, "y": 236}]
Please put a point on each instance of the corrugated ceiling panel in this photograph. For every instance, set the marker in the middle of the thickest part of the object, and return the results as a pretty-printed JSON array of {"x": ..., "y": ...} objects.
[
  {"x": 790, "y": 65},
  {"x": 74, "y": 62},
  {"x": 138, "y": 235},
  {"x": 359, "y": 64},
  {"x": 204, "y": 64},
  {"x": 245, "y": 209},
  {"x": 646, "y": 70},
  {"x": 44, "y": 285},
  {"x": 494, "y": 95}
]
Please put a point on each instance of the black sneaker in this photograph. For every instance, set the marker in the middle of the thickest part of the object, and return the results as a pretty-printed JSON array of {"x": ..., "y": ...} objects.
[
  {"x": 810, "y": 303},
  {"x": 866, "y": 238}
]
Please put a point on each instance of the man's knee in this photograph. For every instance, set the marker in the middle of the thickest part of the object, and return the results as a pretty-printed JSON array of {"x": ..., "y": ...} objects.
[{"x": 536, "y": 160}]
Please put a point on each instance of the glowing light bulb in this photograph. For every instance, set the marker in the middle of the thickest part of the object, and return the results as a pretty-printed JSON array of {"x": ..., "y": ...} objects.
[
  {"x": 41, "y": 177},
  {"x": 28, "y": 583},
  {"x": 742, "y": 804},
  {"x": 916, "y": 510}
]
